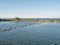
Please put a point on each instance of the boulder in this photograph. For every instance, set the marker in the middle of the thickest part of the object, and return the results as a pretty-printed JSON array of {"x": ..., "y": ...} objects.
[
  {"x": 14, "y": 27},
  {"x": 3, "y": 29}
]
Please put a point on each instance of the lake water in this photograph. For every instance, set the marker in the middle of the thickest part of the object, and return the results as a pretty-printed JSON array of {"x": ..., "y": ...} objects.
[{"x": 32, "y": 34}]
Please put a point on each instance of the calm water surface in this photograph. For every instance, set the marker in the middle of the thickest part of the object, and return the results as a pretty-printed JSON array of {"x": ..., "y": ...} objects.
[{"x": 32, "y": 34}]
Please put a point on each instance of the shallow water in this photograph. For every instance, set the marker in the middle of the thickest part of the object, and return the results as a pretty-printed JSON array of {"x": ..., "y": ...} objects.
[{"x": 32, "y": 34}]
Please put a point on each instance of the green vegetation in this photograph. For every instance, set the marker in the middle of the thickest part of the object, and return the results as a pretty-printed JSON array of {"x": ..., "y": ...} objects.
[
  {"x": 17, "y": 19},
  {"x": 4, "y": 19}
]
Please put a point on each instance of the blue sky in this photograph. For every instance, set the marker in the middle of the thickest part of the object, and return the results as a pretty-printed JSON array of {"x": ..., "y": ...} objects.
[{"x": 30, "y": 8}]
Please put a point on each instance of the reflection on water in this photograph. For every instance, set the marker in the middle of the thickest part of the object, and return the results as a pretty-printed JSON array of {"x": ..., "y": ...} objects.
[{"x": 32, "y": 34}]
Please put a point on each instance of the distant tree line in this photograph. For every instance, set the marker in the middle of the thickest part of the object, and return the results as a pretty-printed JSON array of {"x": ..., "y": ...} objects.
[
  {"x": 17, "y": 19},
  {"x": 5, "y": 20},
  {"x": 10, "y": 19}
]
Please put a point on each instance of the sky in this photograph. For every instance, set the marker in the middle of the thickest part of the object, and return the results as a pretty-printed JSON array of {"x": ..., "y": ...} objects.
[{"x": 30, "y": 8}]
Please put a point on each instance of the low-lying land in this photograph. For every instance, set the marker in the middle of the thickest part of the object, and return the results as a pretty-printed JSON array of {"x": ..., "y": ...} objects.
[{"x": 16, "y": 19}]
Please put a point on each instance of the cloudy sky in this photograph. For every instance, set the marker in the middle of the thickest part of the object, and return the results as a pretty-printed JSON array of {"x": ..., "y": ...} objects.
[{"x": 30, "y": 8}]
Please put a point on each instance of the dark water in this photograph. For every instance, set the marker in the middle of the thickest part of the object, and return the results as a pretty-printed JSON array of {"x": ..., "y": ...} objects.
[{"x": 32, "y": 34}]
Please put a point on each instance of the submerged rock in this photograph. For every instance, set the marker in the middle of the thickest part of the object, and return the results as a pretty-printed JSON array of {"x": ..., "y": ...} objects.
[
  {"x": 23, "y": 25},
  {"x": 30, "y": 24},
  {"x": 14, "y": 27},
  {"x": 0, "y": 28},
  {"x": 11, "y": 28}
]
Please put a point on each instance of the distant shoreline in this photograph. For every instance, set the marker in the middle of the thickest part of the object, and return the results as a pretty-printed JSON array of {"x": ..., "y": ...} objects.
[{"x": 31, "y": 19}]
